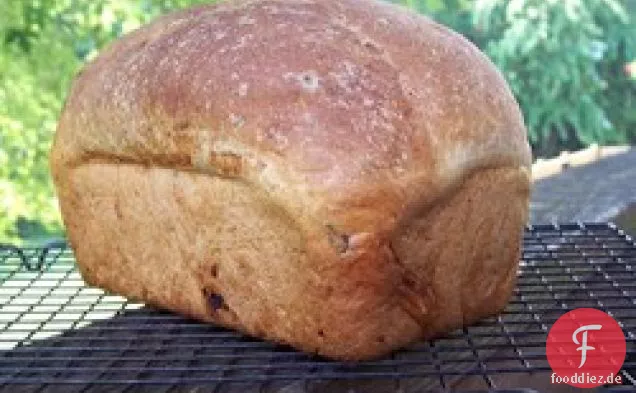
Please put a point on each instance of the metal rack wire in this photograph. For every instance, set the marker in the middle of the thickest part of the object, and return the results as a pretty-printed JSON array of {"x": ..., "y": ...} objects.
[{"x": 58, "y": 334}]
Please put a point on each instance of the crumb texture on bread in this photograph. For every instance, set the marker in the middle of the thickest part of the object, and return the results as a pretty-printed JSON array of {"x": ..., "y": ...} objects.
[{"x": 339, "y": 175}]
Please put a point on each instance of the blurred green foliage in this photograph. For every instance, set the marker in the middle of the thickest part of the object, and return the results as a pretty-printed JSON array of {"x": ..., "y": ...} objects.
[
  {"x": 566, "y": 62},
  {"x": 570, "y": 63}
]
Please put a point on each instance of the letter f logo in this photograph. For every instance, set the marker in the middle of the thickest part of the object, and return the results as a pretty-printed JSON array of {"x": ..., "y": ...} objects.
[{"x": 584, "y": 347}]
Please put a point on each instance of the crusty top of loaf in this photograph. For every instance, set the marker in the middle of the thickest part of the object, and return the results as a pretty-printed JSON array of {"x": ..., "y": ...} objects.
[{"x": 348, "y": 111}]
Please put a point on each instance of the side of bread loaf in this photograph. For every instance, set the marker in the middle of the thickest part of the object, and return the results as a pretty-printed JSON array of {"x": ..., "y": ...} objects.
[{"x": 339, "y": 175}]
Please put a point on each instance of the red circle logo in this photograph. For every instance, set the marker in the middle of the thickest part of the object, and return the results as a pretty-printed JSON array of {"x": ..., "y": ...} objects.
[{"x": 586, "y": 349}]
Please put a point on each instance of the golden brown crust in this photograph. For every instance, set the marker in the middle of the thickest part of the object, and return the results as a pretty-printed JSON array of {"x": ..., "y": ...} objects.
[{"x": 291, "y": 168}]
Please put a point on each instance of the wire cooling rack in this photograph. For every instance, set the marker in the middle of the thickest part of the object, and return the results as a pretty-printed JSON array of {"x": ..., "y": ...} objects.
[{"x": 56, "y": 334}]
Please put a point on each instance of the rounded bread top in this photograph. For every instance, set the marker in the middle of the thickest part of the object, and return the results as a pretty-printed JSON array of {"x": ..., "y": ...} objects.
[{"x": 347, "y": 98}]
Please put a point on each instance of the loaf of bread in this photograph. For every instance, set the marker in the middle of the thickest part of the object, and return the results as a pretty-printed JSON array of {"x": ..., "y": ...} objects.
[{"x": 343, "y": 176}]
